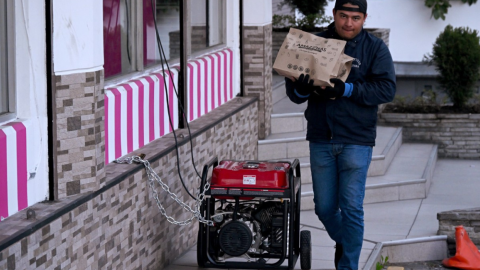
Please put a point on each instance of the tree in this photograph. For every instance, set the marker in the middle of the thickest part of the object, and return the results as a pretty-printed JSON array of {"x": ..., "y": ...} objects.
[
  {"x": 313, "y": 11},
  {"x": 309, "y": 7},
  {"x": 456, "y": 55},
  {"x": 440, "y": 7}
]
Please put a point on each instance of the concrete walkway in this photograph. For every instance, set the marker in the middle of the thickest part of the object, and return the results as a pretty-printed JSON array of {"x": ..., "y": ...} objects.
[{"x": 455, "y": 185}]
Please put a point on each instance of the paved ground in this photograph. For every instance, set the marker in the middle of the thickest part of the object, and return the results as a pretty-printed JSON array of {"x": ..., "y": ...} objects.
[
  {"x": 432, "y": 265},
  {"x": 455, "y": 185}
]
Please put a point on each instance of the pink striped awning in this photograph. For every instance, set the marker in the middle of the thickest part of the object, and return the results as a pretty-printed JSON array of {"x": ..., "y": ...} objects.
[
  {"x": 13, "y": 168},
  {"x": 210, "y": 82},
  {"x": 136, "y": 113}
]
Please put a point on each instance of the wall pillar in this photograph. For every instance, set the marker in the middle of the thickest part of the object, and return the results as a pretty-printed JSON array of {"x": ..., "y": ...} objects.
[
  {"x": 78, "y": 97},
  {"x": 80, "y": 145},
  {"x": 257, "y": 61}
]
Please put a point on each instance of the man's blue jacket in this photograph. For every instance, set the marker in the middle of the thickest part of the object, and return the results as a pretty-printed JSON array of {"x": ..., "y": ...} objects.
[{"x": 352, "y": 120}]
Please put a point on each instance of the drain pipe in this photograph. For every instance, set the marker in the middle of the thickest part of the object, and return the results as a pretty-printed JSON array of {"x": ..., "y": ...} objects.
[
  {"x": 51, "y": 103},
  {"x": 242, "y": 85}
]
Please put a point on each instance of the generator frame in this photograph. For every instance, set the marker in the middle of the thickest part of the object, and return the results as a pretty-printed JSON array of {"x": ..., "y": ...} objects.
[{"x": 289, "y": 197}]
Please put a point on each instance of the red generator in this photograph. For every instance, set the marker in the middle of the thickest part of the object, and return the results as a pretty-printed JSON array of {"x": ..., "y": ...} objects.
[{"x": 255, "y": 207}]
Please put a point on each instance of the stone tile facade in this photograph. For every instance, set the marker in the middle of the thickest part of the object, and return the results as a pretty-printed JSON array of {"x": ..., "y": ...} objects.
[
  {"x": 80, "y": 145},
  {"x": 257, "y": 65},
  {"x": 120, "y": 226}
]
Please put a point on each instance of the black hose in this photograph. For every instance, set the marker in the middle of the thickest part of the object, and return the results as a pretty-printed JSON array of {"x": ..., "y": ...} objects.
[{"x": 162, "y": 58}]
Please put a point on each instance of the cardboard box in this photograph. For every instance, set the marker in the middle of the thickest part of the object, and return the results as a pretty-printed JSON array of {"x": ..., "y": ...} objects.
[{"x": 321, "y": 58}]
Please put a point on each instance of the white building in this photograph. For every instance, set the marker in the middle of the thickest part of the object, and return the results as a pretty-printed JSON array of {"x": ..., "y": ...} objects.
[{"x": 83, "y": 84}]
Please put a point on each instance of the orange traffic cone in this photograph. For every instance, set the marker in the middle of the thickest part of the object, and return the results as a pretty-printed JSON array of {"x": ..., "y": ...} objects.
[{"x": 467, "y": 256}]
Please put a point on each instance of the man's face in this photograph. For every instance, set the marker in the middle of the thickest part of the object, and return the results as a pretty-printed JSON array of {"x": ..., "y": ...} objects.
[{"x": 348, "y": 23}]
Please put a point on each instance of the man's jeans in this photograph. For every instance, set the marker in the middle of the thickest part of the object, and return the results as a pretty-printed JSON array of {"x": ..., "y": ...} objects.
[{"x": 339, "y": 173}]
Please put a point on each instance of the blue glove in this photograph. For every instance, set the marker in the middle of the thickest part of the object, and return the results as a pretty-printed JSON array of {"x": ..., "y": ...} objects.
[
  {"x": 303, "y": 86},
  {"x": 340, "y": 89}
]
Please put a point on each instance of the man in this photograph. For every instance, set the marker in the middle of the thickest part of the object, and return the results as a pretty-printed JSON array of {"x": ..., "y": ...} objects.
[{"x": 341, "y": 128}]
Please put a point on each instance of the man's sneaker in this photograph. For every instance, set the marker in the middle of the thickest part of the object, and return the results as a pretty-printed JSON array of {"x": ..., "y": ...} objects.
[{"x": 338, "y": 254}]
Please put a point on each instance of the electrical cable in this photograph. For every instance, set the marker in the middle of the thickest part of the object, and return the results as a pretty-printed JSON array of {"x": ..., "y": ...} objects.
[
  {"x": 128, "y": 31},
  {"x": 166, "y": 96},
  {"x": 162, "y": 59},
  {"x": 176, "y": 93}
]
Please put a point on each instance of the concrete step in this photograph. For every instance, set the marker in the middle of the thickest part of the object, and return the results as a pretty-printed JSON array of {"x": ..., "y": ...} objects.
[
  {"x": 387, "y": 143},
  {"x": 285, "y": 105},
  {"x": 278, "y": 91},
  {"x": 408, "y": 177},
  {"x": 288, "y": 122},
  {"x": 422, "y": 249},
  {"x": 281, "y": 146}
]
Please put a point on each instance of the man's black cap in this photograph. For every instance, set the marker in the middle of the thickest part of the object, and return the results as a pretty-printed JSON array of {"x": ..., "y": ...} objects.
[{"x": 362, "y": 5}]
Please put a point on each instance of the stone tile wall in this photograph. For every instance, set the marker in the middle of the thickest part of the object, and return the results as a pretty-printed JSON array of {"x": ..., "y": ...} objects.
[
  {"x": 257, "y": 44},
  {"x": 80, "y": 134},
  {"x": 457, "y": 135},
  {"x": 468, "y": 218},
  {"x": 120, "y": 226},
  {"x": 277, "y": 41}
]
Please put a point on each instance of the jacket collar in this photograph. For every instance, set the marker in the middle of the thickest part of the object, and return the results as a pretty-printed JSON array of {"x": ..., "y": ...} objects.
[{"x": 332, "y": 33}]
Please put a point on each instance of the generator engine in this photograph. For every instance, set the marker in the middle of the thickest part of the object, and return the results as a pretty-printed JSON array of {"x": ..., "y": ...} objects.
[{"x": 257, "y": 228}]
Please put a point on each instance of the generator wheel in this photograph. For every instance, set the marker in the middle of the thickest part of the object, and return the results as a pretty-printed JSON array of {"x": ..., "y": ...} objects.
[
  {"x": 200, "y": 252},
  {"x": 305, "y": 250}
]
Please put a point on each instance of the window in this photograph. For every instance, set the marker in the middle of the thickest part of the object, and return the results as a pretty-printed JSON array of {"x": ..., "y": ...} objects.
[
  {"x": 7, "y": 94},
  {"x": 130, "y": 43},
  {"x": 207, "y": 19},
  {"x": 215, "y": 22},
  {"x": 3, "y": 62},
  {"x": 168, "y": 24},
  {"x": 116, "y": 37}
]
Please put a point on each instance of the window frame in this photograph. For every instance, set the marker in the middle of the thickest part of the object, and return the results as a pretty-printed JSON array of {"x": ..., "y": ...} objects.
[
  {"x": 10, "y": 59},
  {"x": 136, "y": 44},
  {"x": 186, "y": 54},
  {"x": 207, "y": 23}
]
